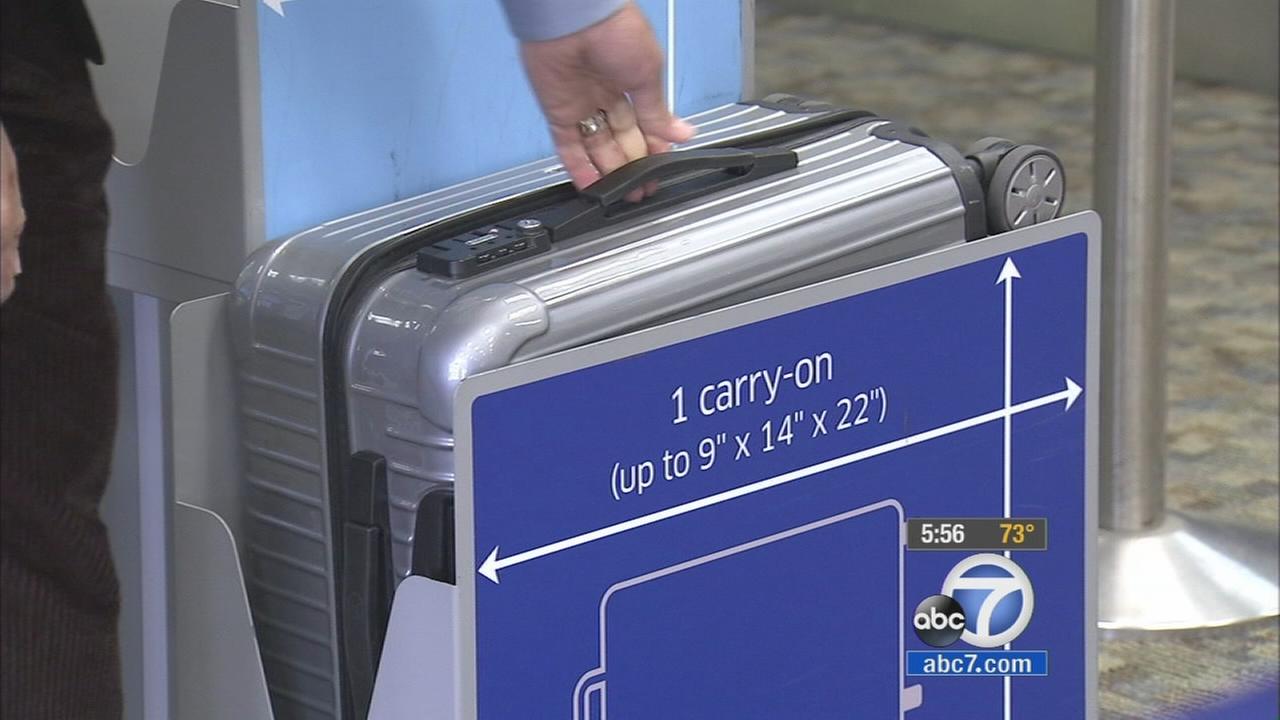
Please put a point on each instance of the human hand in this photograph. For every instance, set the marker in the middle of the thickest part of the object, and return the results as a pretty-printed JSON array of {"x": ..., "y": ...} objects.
[
  {"x": 614, "y": 66},
  {"x": 12, "y": 217}
]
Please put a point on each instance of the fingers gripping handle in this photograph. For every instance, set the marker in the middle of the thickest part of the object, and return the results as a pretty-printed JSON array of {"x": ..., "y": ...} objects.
[
  {"x": 746, "y": 164},
  {"x": 601, "y": 204}
]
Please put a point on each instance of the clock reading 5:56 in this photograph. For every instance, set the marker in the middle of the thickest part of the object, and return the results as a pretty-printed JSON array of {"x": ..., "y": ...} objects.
[{"x": 942, "y": 533}]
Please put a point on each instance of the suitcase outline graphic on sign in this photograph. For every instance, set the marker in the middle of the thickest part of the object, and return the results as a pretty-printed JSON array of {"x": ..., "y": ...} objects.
[{"x": 591, "y": 690}]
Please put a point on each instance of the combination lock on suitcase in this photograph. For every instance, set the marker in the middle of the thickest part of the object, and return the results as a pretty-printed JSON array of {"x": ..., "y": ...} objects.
[{"x": 353, "y": 336}]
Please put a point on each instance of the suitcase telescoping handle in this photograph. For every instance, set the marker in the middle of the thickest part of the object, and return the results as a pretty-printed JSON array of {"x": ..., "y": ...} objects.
[{"x": 601, "y": 203}]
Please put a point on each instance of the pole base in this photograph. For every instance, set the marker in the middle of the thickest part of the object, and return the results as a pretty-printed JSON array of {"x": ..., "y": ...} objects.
[{"x": 1186, "y": 573}]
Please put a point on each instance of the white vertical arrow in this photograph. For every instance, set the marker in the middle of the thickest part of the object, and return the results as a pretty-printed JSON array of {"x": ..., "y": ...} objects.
[
  {"x": 1007, "y": 275},
  {"x": 671, "y": 55},
  {"x": 276, "y": 5}
]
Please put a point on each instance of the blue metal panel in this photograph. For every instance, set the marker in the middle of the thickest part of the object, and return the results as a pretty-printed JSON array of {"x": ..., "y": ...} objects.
[{"x": 365, "y": 103}]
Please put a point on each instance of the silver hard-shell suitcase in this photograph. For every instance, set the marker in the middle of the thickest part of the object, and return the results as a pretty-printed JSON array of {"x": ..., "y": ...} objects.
[{"x": 353, "y": 336}]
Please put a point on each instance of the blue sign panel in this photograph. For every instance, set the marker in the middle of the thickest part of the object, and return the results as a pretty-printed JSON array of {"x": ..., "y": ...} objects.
[{"x": 713, "y": 522}]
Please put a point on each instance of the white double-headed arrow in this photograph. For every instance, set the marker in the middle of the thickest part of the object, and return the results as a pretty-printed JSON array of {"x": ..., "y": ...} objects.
[{"x": 493, "y": 564}]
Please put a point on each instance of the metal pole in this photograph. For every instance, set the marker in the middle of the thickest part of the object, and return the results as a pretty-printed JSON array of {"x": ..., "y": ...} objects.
[
  {"x": 1157, "y": 569},
  {"x": 1131, "y": 166}
]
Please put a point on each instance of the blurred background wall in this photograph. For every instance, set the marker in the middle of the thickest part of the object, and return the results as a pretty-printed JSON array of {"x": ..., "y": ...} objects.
[{"x": 1235, "y": 42}]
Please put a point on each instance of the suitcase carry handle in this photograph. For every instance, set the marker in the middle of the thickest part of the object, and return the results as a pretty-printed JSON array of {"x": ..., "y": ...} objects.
[
  {"x": 601, "y": 203},
  {"x": 745, "y": 164}
]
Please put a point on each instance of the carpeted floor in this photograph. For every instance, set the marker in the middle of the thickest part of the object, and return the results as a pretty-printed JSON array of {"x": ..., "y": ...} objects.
[{"x": 1224, "y": 269}]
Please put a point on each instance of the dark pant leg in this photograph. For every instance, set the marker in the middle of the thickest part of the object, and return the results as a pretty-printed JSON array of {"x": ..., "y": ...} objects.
[{"x": 58, "y": 594}]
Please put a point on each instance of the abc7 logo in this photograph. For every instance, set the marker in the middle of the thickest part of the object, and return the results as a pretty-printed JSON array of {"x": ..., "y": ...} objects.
[{"x": 992, "y": 584}]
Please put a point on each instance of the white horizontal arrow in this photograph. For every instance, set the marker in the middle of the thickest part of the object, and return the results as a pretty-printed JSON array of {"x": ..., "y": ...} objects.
[{"x": 493, "y": 564}]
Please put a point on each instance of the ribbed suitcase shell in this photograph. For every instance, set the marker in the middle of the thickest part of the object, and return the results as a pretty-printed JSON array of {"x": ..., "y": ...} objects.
[{"x": 856, "y": 200}]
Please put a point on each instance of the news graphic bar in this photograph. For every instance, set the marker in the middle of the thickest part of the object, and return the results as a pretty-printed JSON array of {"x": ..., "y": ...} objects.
[{"x": 990, "y": 533}]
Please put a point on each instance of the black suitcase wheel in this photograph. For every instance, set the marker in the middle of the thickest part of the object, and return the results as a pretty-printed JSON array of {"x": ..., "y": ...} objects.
[{"x": 1028, "y": 186}]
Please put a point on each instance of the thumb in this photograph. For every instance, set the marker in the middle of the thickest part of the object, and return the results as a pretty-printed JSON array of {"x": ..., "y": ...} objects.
[{"x": 654, "y": 118}]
